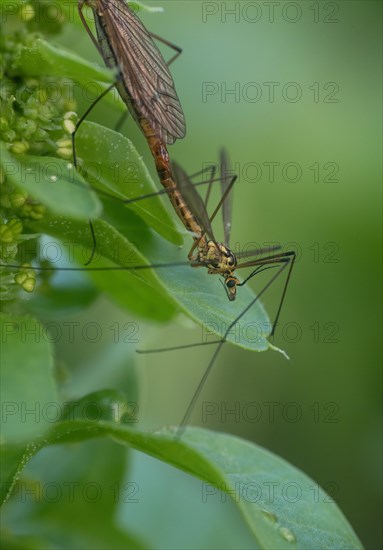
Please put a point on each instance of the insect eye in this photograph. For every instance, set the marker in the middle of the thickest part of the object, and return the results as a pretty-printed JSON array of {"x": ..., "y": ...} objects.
[{"x": 230, "y": 283}]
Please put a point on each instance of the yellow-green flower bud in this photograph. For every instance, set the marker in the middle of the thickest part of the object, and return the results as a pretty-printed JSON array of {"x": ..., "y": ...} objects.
[
  {"x": 15, "y": 226},
  {"x": 64, "y": 142},
  {"x": 42, "y": 96},
  {"x": 26, "y": 278},
  {"x": 6, "y": 235},
  {"x": 37, "y": 212},
  {"x": 19, "y": 147},
  {"x": 17, "y": 199},
  {"x": 65, "y": 152},
  {"x": 69, "y": 123},
  {"x": 8, "y": 251},
  {"x": 69, "y": 126}
]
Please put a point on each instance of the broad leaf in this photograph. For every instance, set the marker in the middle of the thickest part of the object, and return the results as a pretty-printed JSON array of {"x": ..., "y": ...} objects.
[
  {"x": 75, "y": 505},
  {"x": 53, "y": 182},
  {"x": 282, "y": 507},
  {"x": 28, "y": 393},
  {"x": 140, "y": 291},
  {"x": 48, "y": 60}
]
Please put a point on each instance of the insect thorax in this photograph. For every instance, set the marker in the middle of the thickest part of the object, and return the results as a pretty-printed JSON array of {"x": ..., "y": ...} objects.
[{"x": 217, "y": 257}]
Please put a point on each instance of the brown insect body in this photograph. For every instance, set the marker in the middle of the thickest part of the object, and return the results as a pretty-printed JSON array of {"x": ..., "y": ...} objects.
[
  {"x": 216, "y": 257},
  {"x": 147, "y": 88}
]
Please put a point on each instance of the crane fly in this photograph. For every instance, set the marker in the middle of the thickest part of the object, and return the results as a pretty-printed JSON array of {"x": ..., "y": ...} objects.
[
  {"x": 144, "y": 81},
  {"x": 147, "y": 88},
  {"x": 206, "y": 251}
]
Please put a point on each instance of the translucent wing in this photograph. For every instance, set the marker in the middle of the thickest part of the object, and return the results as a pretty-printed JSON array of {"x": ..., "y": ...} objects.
[
  {"x": 145, "y": 74},
  {"x": 192, "y": 199},
  {"x": 226, "y": 179}
]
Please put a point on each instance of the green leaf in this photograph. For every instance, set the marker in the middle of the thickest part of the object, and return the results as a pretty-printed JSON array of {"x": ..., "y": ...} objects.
[
  {"x": 53, "y": 182},
  {"x": 139, "y": 291},
  {"x": 282, "y": 507},
  {"x": 13, "y": 459},
  {"x": 99, "y": 405},
  {"x": 28, "y": 392},
  {"x": 62, "y": 296},
  {"x": 111, "y": 162},
  {"x": 47, "y": 60},
  {"x": 75, "y": 505},
  {"x": 15, "y": 542}
]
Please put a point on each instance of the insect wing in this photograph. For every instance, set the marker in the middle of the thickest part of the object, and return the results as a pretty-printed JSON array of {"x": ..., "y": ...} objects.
[
  {"x": 144, "y": 71},
  {"x": 226, "y": 179},
  {"x": 193, "y": 199}
]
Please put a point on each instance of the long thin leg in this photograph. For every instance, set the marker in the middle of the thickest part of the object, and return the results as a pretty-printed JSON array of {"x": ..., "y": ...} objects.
[
  {"x": 209, "y": 368},
  {"x": 94, "y": 244},
  {"x": 75, "y": 160},
  {"x": 177, "y": 49},
  {"x": 141, "y": 197},
  {"x": 97, "y": 45},
  {"x": 163, "y": 192},
  {"x": 80, "y": 7},
  {"x": 291, "y": 265},
  {"x": 83, "y": 117},
  {"x": 210, "y": 168},
  {"x": 177, "y": 348},
  {"x": 99, "y": 269},
  {"x": 223, "y": 198},
  {"x": 284, "y": 258},
  {"x": 121, "y": 121},
  {"x": 213, "y": 171},
  {"x": 258, "y": 252}
]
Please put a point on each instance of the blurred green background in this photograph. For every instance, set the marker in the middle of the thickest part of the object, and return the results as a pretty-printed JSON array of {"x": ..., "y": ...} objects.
[{"x": 326, "y": 400}]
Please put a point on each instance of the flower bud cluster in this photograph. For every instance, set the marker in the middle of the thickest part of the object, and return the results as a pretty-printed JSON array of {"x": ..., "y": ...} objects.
[{"x": 36, "y": 118}]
